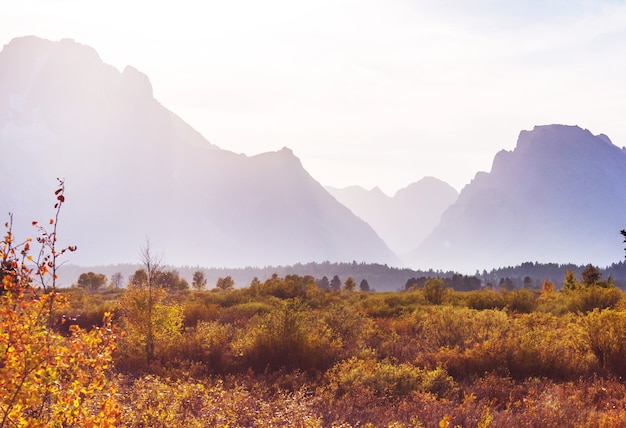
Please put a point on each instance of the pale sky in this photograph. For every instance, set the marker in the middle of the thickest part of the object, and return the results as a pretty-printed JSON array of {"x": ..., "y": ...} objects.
[{"x": 365, "y": 92}]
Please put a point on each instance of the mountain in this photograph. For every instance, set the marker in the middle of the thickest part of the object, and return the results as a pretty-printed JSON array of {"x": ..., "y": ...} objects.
[
  {"x": 134, "y": 170},
  {"x": 559, "y": 196},
  {"x": 404, "y": 220}
]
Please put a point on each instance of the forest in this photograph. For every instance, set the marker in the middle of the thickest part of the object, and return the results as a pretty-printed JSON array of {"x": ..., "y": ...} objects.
[{"x": 288, "y": 352}]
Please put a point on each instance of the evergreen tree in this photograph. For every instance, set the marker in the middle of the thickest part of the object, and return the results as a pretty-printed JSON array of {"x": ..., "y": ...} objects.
[
  {"x": 349, "y": 285},
  {"x": 364, "y": 285},
  {"x": 591, "y": 275},
  {"x": 323, "y": 283},
  {"x": 570, "y": 283}
]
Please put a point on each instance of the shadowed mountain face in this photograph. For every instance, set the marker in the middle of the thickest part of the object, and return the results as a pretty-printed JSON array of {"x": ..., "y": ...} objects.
[
  {"x": 560, "y": 196},
  {"x": 134, "y": 170},
  {"x": 405, "y": 219}
]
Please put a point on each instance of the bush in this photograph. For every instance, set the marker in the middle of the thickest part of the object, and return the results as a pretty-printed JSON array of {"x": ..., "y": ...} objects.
[
  {"x": 521, "y": 301},
  {"x": 605, "y": 334},
  {"x": 287, "y": 338},
  {"x": 586, "y": 299},
  {"x": 386, "y": 378},
  {"x": 485, "y": 299},
  {"x": 434, "y": 291}
]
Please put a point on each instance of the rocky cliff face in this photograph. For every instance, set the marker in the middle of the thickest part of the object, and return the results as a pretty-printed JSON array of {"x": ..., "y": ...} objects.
[
  {"x": 559, "y": 196},
  {"x": 135, "y": 170}
]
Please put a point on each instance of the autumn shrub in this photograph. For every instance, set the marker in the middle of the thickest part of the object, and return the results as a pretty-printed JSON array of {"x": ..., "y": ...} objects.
[
  {"x": 544, "y": 345},
  {"x": 521, "y": 301},
  {"x": 47, "y": 379},
  {"x": 86, "y": 310},
  {"x": 586, "y": 299},
  {"x": 605, "y": 334},
  {"x": 457, "y": 327},
  {"x": 347, "y": 327},
  {"x": 434, "y": 291},
  {"x": 288, "y": 337},
  {"x": 386, "y": 378},
  {"x": 528, "y": 345},
  {"x": 205, "y": 349},
  {"x": 195, "y": 312},
  {"x": 242, "y": 313},
  {"x": 399, "y": 338},
  {"x": 155, "y": 402},
  {"x": 485, "y": 299},
  {"x": 387, "y": 305}
]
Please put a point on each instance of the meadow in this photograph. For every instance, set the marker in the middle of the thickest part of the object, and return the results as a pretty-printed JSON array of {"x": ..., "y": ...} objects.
[{"x": 287, "y": 352}]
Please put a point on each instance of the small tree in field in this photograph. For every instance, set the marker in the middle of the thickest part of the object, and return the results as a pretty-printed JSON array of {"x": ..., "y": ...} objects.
[
  {"x": 349, "y": 285},
  {"x": 225, "y": 284},
  {"x": 91, "y": 281},
  {"x": 150, "y": 321},
  {"x": 117, "y": 279},
  {"x": 364, "y": 285},
  {"x": 434, "y": 290},
  {"x": 47, "y": 379},
  {"x": 199, "y": 281},
  {"x": 591, "y": 275}
]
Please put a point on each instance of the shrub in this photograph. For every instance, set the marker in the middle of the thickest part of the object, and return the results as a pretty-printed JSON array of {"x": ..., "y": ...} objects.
[
  {"x": 485, "y": 299},
  {"x": 605, "y": 334},
  {"x": 521, "y": 301},
  {"x": 386, "y": 378},
  {"x": 288, "y": 338},
  {"x": 586, "y": 299},
  {"x": 193, "y": 313},
  {"x": 434, "y": 291},
  {"x": 47, "y": 379}
]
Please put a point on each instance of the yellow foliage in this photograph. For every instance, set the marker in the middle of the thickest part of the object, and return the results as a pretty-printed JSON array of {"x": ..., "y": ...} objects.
[{"x": 47, "y": 379}]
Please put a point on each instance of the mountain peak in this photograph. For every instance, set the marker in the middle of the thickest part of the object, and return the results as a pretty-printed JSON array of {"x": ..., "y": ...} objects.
[
  {"x": 559, "y": 136},
  {"x": 138, "y": 82},
  {"x": 557, "y": 197}
]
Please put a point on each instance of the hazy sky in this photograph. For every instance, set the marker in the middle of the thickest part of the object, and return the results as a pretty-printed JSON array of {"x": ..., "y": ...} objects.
[{"x": 367, "y": 92}]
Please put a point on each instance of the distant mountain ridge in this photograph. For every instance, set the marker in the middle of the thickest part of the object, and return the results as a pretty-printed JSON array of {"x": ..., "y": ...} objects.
[
  {"x": 559, "y": 196},
  {"x": 404, "y": 220},
  {"x": 135, "y": 170}
]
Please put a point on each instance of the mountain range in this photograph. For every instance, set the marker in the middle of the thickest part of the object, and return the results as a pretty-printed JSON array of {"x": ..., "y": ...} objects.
[
  {"x": 404, "y": 220},
  {"x": 134, "y": 171}
]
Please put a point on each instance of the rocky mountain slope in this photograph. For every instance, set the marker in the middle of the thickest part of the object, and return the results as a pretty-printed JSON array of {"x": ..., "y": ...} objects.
[
  {"x": 559, "y": 196},
  {"x": 134, "y": 170}
]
